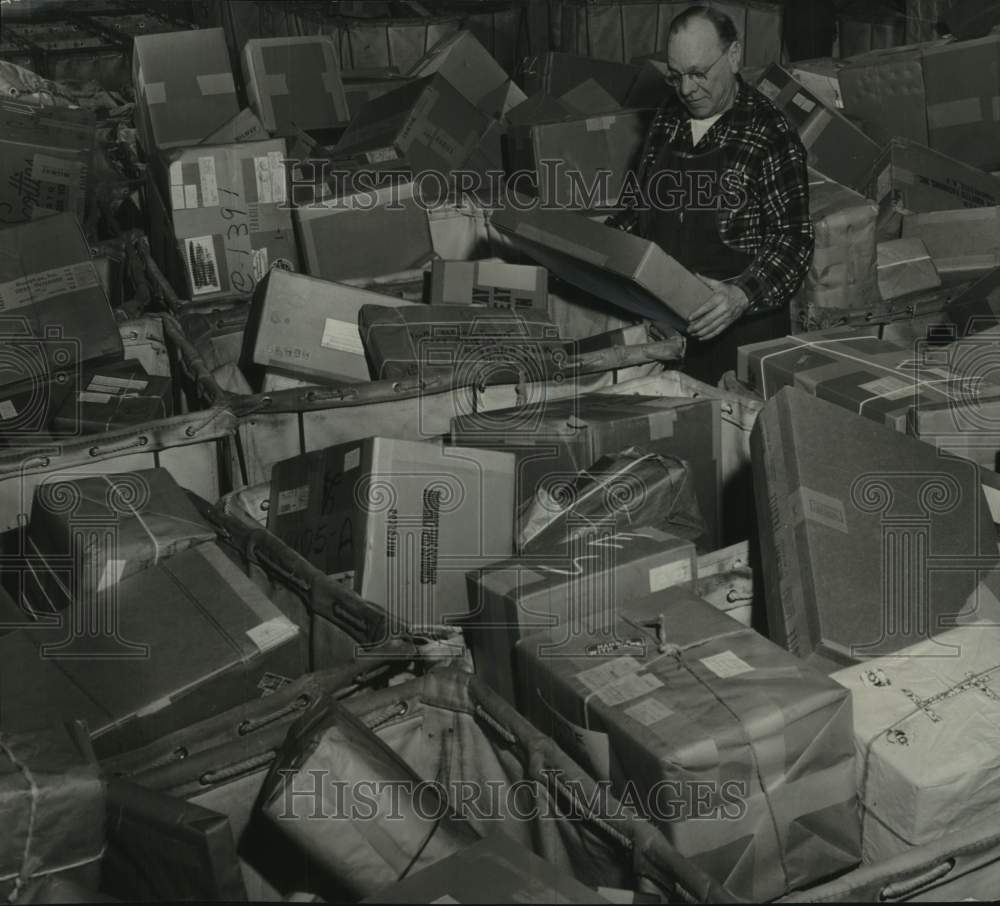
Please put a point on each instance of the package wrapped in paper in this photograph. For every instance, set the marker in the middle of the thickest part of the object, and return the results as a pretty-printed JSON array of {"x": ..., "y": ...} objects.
[
  {"x": 52, "y": 803},
  {"x": 622, "y": 492}
]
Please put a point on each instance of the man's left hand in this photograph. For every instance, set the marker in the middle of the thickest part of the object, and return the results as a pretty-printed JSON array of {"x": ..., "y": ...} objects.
[{"x": 726, "y": 306}]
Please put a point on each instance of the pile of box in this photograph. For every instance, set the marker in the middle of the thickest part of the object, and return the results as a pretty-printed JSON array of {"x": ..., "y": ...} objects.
[{"x": 563, "y": 538}]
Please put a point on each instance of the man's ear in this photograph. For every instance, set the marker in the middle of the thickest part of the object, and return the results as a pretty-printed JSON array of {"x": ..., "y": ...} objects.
[{"x": 735, "y": 56}]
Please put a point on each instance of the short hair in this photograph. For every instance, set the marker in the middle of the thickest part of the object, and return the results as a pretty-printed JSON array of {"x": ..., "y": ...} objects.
[{"x": 725, "y": 28}]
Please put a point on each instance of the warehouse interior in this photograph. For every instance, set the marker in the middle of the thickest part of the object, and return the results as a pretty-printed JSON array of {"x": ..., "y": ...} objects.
[{"x": 520, "y": 451}]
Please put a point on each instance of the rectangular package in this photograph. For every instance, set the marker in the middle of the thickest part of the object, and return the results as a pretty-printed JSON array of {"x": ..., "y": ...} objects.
[
  {"x": 409, "y": 517},
  {"x": 494, "y": 283},
  {"x": 739, "y": 752},
  {"x": 905, "y": 266},
  {"x": 114, "y": 397},
  {"x": 870, "y": 540},
  {"x": 512, "y": 599}
]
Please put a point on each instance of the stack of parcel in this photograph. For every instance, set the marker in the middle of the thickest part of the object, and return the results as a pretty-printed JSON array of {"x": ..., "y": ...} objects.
[{"x": 469, "y": 596}]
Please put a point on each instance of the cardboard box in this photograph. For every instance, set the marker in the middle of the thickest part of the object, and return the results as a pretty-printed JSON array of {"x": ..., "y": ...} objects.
[
  {"x": 294, "y": 83},
  {"x": 149, "y": 514},
  {"x": 631, "y": 273},
  {"x": 184, "y": 87},
  {"x": 924, "y": 724},
  {"x": 410, "y": 518},
  {"x": 650, "y": 89},
  {"x": 842, "y": 272},
  {"x": 707, "y": 705},
  {"x": 904, "y": 267},
  {"x": 495, "y": 870},
  {"x": 163, "y": 848},
  {"x": 885, "y": 90},
  {"x": 468, "y": 67},
  {"x": 244, "y": 127},
  {"x": 360, "y": 93},
  {"x": 309, "y": 327},
  {"x": 46, "y": 158},
  {"x": 820, "y": 76},
  {"x": 427, "y": 123},
  {"x": 913, "y": 179},
  {"x": 483, "y": 346},
  {"x": 837, "y": 148},
  {"x": 229, "y": 216},
  {"x": 367, "y": 234},
  {"x": 515, "y": 598},
  {"x": 879, "y": 380},
  {"x": 114, "y": 397},
  {"x": 963, "y": 120},
  {"x": 556, "y": 73},
  {"x": 580, "y": 164},
  {"x": 211, "y": 640},
  {"x": 493, "y": 283},
  {"x": 538, "y": 108},
  {"x": 859, "y": 557},
  {"x": 48, "y": 282},
  {"x": 54, "y": 806},
  {"x": 27, "y": 407},
  {"x": 589, "y": 99},
  {"x": 965, "y": 244},
  {"x": 978, "y": 308},
  {"x": 556, "y": 439}
]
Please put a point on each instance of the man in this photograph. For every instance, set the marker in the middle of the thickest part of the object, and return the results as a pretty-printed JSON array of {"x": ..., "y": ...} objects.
[{"x": 724, "y": 191}]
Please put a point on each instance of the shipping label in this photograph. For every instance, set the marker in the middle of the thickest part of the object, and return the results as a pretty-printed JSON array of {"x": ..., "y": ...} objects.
[
  {"x": 271, "y": 633},
  {"x": 627, "y": 688},
  {"x": 726, "y": 664},
  {"x": 56, "y": 170},
  {"x": 670, "y": 574},
  {"x": 35, "y": 288},
  {"x": 91, "y": 396},
  {"x": 209, "y": 184},
  {"x": 7, "y": 410},
  {"x": 649, "y": 712},
  {"x": 293, "y": 500},
  {"x": 596, "y": 678},
  {"x": 202, "y": 265},
  {"x": 342, "y": 336}
]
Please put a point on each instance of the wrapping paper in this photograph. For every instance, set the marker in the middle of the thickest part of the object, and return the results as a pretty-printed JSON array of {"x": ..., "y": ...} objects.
[
  {"x": 52, "y": 805},
  {"x": 148, "y": 515},
  {"x": 626, "y": 491},
  {"x": 750, "y": 747},
  {"x": 927, "y": 735}
]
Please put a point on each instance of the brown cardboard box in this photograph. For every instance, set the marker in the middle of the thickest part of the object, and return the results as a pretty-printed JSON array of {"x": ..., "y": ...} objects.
[
  {"x": 229, "y": 216},
  {"x": 294, "y": 83},
  {"x": 631, "y": 273},
  {"x": 962, "y": 80},
  {"x": 871, "y": 377},
  {"x": 870, "y": 540},
  {"x": 965, "y": 243},
  {"x": 410, "y": 517},
  {"x": 556, "y": 439},
  {"x": 494, "y": 870},
  {"x": 195, "y": 638},
  {"x": 837, "y": 148},
  {"x": 913, "y": 179},
  {"x": 580, "y": 164},
  {"x": 741, "y": 754},
  {"x": 538, "y": 108},
  {"x": 820, "y": 76},
  {"x": 885, "y": 90},
  {"x": 309, "y": 327},
  {"x": 650, "y": 89},
  {"x": 359, "y": 93},
  {"x": 45, "y": 161},
  {"x": 556, "y": 73},
  {"x": 184, "y": 87},
  {"x": 112, "y": 397},
  {"x": 513, "y": 599},
  {"x": 427, "y": 123},
  {"x": 468, "y": 66},
  {"x": 54, "y": 806},
  {"x": 48, "y": 282},
  {"x": 244, "y": 127},
  {"x": 147, "y": 512},
  {"x": 842, "y": 272},
  {"x": 918, "y": 786},
  {"x": 493, "y": 283},
  {"x": 589, "y": 99},
  {"x": 904, "y": 266},
  {"x": 978, "y": 308},
  {"x": 367, "y": 234}
]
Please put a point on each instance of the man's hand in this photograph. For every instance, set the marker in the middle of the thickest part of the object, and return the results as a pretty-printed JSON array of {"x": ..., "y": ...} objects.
[{"x": 726, "y": 306}]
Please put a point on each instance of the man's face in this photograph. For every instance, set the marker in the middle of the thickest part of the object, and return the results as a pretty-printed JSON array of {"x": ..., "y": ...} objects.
[{"x": 696, "y": 49}]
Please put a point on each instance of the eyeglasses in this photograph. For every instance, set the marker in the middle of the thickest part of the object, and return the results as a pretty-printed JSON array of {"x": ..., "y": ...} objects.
[{"x": 700, "y": 78}]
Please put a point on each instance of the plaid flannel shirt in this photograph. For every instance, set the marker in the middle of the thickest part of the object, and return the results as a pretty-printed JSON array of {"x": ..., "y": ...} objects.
[{"x": 766, "y": 158}]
